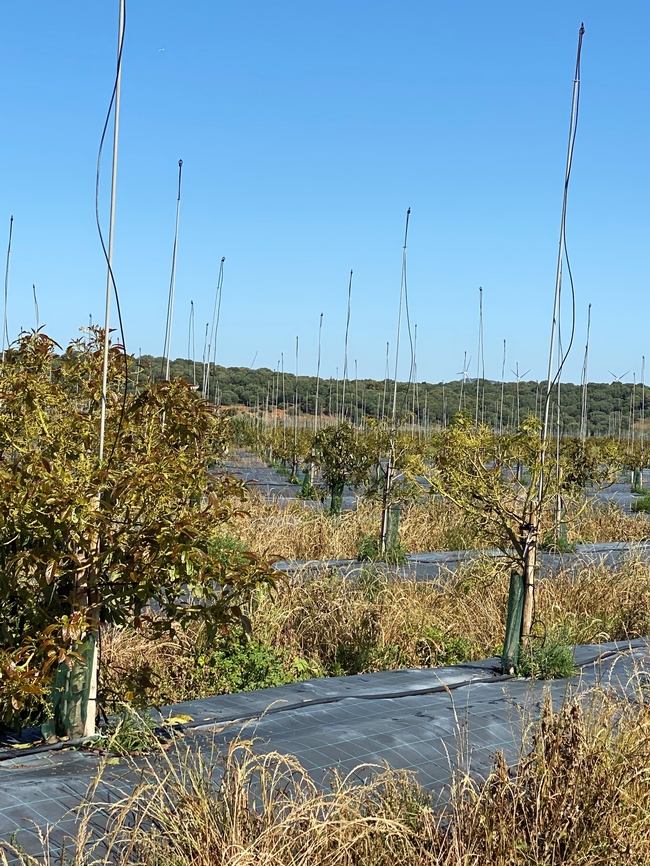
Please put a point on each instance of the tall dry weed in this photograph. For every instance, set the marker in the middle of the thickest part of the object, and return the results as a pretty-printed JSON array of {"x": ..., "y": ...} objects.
[
  {"x": 578, "y": 796},
  {"x": 295, "y": 530},
  {"x": 604, "y": 522}
]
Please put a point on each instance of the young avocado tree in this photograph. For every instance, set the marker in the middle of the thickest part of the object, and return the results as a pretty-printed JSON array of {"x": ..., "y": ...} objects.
[
  {"x": 85, "y": 543},
  {"x": 634, "y": 458},
  {"x": 397, "y": 466},
  {"x": 342, "y": 459},
  {"x": 511, "y": 509}
]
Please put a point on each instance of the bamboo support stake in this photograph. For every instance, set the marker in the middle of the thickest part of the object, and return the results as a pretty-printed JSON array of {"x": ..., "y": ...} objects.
[{"x": 529, "y": 580}]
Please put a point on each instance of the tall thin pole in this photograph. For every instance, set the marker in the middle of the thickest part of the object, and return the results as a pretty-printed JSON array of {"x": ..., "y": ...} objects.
[
  {"x": 295, "y": 412},
  {"x": 172, "y": 279},
  {"x": 388, "y": 478},
  {"x": 284, "y": 403},
  {"x": 386, "y": 374},
  {"x": 204, "y": 357},
  {"x": 36, "y": 306},
  {"x": 402, "y": 291},
  {"x": 462, "y": 384},
  {"x": 503, "y": 374},
  {"x": 216, "y": 327},
  {"x": 585, "y": 377},
  {"x": 518, "y": 381},
  {"x": 479, "y": 354},
  {"x": 320, "y": 332},
  {"x": 216, "y": 315},
  {"x": 337, "y": 393},
  {"x": 5, "y": 330},
  {"x": 356, "y": 394},
  {"x": 345, "y": 353},
  {"x": 191, "y": 350},
  {"x": 642, "y": 400},
  {"x": 414, "y": 374},
  {"x": 111, "y": 225},
  {"x": 533, "y": 522},
  {"x": 562, "y": 242}
]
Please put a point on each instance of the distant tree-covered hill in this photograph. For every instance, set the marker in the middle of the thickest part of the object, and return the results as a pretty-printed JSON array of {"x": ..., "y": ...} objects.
[{"x": 611, "y": 408}]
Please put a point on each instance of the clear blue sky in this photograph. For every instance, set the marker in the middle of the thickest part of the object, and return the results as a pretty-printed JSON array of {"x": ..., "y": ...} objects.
[{"x": 307, "y": 127}]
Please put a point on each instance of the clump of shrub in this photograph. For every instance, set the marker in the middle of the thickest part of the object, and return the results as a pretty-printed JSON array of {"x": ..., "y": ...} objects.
[
  {"x": 550, "y": 661},
  {"x": 147, "y": 672},
  {"x": 642, "y": 504},
  {"x": 369, "y": 550}
]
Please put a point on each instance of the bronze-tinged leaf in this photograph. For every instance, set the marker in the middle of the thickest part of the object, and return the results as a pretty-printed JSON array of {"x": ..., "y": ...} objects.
[{"x": 144, "y": 537}]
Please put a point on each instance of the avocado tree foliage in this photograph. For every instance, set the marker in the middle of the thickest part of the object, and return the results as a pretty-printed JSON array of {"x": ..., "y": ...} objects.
[
  {"x": 123, "y": 542},
  {"x": 343, "y": 459},
  {"x": 509, "y": 486}
]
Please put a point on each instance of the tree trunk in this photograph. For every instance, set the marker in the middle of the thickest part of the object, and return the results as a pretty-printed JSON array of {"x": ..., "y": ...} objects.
[{"x": 74, "y": 695}]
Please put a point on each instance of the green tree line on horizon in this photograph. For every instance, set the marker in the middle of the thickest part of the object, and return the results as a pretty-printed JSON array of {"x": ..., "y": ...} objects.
[{"x": 612, "y": 408}]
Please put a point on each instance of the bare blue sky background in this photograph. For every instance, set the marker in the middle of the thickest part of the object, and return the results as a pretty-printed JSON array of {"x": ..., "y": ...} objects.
[{"x": 307, "y": 127}]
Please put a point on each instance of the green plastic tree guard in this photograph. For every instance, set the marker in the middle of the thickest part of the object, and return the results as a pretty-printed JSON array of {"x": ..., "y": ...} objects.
[
  {"x": 513, "y": 625},
  {"x": 392, "y": 527}
]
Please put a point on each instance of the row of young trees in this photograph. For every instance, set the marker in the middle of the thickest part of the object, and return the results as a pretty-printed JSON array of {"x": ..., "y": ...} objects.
[
  {"x": 513, "y": 488},
  {"x": 345, "y": 455}
]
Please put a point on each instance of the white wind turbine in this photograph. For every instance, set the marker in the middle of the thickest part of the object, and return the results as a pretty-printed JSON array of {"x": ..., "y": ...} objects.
[{"x": 465, "y": 376}]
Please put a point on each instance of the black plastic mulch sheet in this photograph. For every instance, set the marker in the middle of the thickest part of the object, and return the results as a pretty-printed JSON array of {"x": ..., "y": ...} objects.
[{"x": 418, "y": 720}]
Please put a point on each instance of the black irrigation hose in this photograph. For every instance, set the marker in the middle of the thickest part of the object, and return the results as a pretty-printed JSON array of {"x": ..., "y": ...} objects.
[
  {"x": 383, "y": 696},
  {"x": 299, "y": 705}
]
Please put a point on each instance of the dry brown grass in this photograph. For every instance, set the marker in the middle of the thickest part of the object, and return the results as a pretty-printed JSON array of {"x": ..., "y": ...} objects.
[
  {"x": 597, "y": 603},
  {"x": 330, "y": 624},
  {"x": 374, "y": 623},
  {"x": 296, "y": 530},
  {"x": 607, "y": 522},
  {"x": 350, "y": 624},
  {"x": 578, "y": 796}
]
